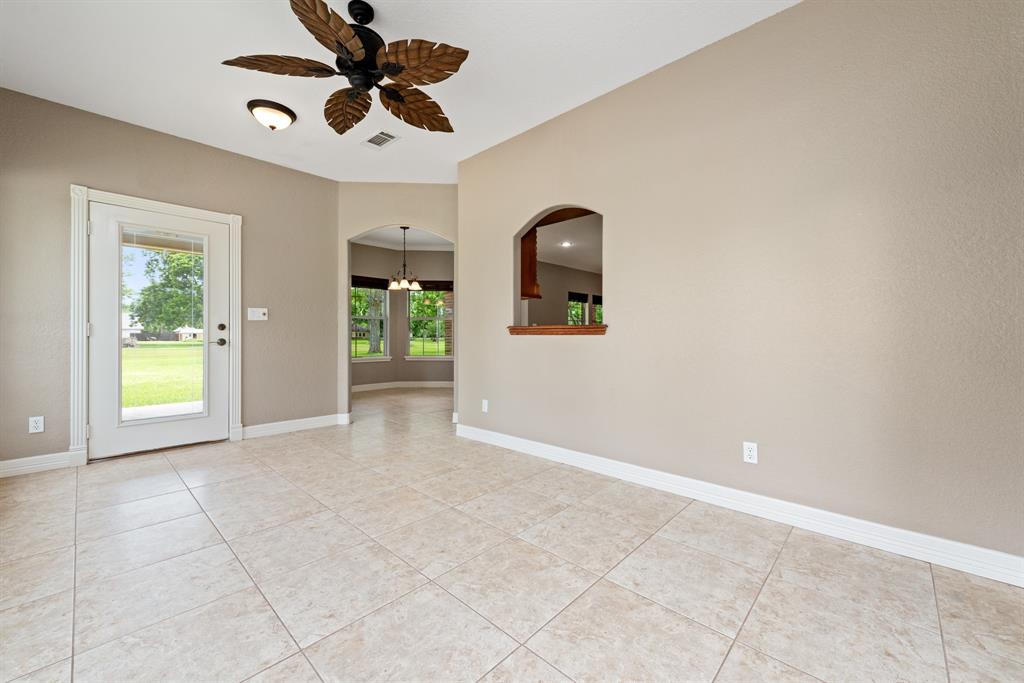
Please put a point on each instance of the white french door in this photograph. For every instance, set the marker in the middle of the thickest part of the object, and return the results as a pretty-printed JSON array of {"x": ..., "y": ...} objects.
[{"x": 159, "y": 355}]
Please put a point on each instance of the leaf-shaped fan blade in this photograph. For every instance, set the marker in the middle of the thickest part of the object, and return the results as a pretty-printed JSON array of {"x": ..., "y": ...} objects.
[
  {"x": 420, "y": 62},
  {"x": 283, "y": 66},
  {"x": 345, "y": 108},
  {"x": 328, "y": 28},
  {"x": 414, "y": 107}
]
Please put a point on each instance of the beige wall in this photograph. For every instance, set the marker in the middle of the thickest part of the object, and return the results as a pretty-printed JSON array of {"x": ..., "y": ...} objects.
[
  {"x": 555, "y": 284},
  {"x": 426, "y": 265},
  {"x": 289, "y": 226},
  {"x": 363, "y": 207},
  {"x": 812, "y": 240}
]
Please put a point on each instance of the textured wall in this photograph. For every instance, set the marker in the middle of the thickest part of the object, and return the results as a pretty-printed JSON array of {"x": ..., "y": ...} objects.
[
  {"x": 289, "y": 259},
  {"x": 812, "y": 240}
]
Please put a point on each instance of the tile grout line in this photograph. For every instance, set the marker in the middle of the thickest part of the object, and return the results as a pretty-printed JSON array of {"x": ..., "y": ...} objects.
[
  {"x": 74, "y": 580},
  {"x": 598, "y": 580},
  {"x": 254, "y": 584},
  {"x": 144, "y": 526},
  {"x": 428, "y": 582},
  {"x": 735, "y": 640},
  {"x": 938, "y": 617},
  {"x": 433, "y": 582},
  {"x": 150, "y": 564}
]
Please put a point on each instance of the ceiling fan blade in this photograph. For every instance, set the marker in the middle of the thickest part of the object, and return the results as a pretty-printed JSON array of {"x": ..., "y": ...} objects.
[
  {"x": 283, "y": 66},
  {"x": 414, "y": 107},
  {"x": 345, "y": 108},
  {"x": 419, "y": 62},
  {"x": 328, "y": 28}
]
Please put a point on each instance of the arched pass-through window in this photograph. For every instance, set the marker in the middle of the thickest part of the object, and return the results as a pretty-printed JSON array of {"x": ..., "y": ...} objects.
[{"x": 558, "y": 270}]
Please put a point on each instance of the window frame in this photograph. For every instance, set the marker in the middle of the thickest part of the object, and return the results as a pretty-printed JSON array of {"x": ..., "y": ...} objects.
[
  {"x": 384, "y": 318},
  {"x": 437, "y": 319}
]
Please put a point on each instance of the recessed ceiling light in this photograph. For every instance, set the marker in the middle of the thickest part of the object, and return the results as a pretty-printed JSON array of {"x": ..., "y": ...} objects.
[
  {"x": 565, "y": 244},
  {"x": 273, "y": 115}
]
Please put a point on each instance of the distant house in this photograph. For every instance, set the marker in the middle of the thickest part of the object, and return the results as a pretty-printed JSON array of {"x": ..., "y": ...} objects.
[
  {"x": 186, "y": 333},
  {"x": 129, "y": 330}
]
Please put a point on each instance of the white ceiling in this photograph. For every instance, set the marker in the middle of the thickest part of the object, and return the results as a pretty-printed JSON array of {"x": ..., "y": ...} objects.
[
  {"x": 157, "y": 64},
  {"x": 584, "y": 234},
  {"x": 416, "y": 240}
]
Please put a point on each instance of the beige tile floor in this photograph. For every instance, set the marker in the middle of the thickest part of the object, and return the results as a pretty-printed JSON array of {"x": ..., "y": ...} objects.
[{"x": 393, "y": 550}]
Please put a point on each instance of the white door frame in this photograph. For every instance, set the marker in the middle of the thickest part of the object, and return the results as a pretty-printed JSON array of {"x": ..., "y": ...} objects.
[{"x": 79, "y": 380}]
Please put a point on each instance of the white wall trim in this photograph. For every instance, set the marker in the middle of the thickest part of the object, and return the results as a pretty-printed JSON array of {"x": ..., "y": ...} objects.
[
  {"x": 158, "y": 207},
  {"x": 285, "y": 426},
  {"x": 41, "y": 463},
  {"x": 78, "y": 385},
  {"x": 372, "y": 359},
  {"x": 421, "y": 359},
  {"x": 235, "y": 431},
  {"x": 79, "y": 276},
  {"x": 401, "y": 385},
  {"x": 991, "y": 564}
]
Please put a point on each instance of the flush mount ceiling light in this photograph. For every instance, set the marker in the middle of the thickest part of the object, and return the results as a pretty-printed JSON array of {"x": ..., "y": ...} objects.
[
  {"x": 273, "y": 115},
  {"x": 362, "y": 57},
  {"x": 566, "y": 244},
  {"x": 402, "y": 279}
]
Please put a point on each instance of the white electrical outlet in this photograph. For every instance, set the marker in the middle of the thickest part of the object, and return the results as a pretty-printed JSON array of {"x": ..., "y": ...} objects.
[
  {"x": 35, "y": 424},
  {"x": 750, "y": 452},
  {"x": 483, "y": 406},
  {"x": 258, "y": 314}
]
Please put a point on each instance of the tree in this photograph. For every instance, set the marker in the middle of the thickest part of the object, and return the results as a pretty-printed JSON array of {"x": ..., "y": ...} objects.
[
  {"x": 174, "y": 296},
  {"x": 369, "y": 303}
]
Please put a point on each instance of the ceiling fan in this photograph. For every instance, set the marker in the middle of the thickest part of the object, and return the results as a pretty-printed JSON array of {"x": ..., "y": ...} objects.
[{"x": 362, "y": 57}]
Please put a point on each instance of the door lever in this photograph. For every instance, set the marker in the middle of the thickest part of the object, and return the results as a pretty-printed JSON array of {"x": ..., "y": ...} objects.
[{"x": 220, "y": 342}]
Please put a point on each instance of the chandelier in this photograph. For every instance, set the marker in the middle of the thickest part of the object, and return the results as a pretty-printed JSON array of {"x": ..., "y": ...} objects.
[{"x": 402, "y": 279}]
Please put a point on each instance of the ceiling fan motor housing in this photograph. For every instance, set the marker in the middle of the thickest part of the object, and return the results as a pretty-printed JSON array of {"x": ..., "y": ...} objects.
[{"x": 365, "y": 74}]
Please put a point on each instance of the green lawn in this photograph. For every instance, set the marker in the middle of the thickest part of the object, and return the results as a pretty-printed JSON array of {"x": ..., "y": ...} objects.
[
  {"x": 417, "y": 347},
  {"x": 154, "y": 373}
]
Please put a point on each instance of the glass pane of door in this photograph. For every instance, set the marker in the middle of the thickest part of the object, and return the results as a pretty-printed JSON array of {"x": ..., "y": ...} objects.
[{"x": 163, "y": 324}]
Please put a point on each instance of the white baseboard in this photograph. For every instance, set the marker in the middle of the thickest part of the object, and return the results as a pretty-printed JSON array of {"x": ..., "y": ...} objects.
[
  {"x": 991, "y": 564},
  {"x": 455, "y": 418},
  {"x": 285, "y": 426},
  {"x": 41, "y": 463},
  {"x": 356, "y": 388}
]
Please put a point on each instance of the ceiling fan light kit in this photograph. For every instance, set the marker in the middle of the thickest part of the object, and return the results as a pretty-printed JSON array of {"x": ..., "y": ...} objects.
[
  {"x": 361, "y": 56},
  {"x": 273, "y": 115}
]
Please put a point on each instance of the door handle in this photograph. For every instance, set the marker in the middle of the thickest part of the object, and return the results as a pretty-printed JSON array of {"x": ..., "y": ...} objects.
[{"x": 220, "y": 342}]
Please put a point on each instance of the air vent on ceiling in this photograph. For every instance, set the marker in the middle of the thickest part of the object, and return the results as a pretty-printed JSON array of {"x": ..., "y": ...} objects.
[{"x": 381, "y": 139}]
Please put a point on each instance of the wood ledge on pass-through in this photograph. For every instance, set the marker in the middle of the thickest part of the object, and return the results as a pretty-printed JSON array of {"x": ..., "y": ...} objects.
[{"x": 556, "y": 329}]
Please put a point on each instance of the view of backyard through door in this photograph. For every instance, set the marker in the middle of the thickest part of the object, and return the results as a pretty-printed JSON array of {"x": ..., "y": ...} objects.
[{"x": 161, "y": 326}]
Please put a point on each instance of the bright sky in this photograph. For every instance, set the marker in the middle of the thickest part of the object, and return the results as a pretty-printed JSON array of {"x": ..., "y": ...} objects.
[{"x": 133, "y": 270}]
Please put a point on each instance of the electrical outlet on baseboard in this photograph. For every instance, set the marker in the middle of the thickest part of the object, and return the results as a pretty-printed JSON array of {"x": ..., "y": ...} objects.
[
  {"x": 36, "y": 424},
  {"x": 483, "y": 406},
  {"x": 750, "y": 452}
]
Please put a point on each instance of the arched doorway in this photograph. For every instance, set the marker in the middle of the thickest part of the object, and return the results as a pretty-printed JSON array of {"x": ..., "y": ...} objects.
[{"x": 401, "y": 318}]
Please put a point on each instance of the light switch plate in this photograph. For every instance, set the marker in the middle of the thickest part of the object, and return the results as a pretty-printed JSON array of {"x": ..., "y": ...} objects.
[{"x": 258, "y": 314}]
